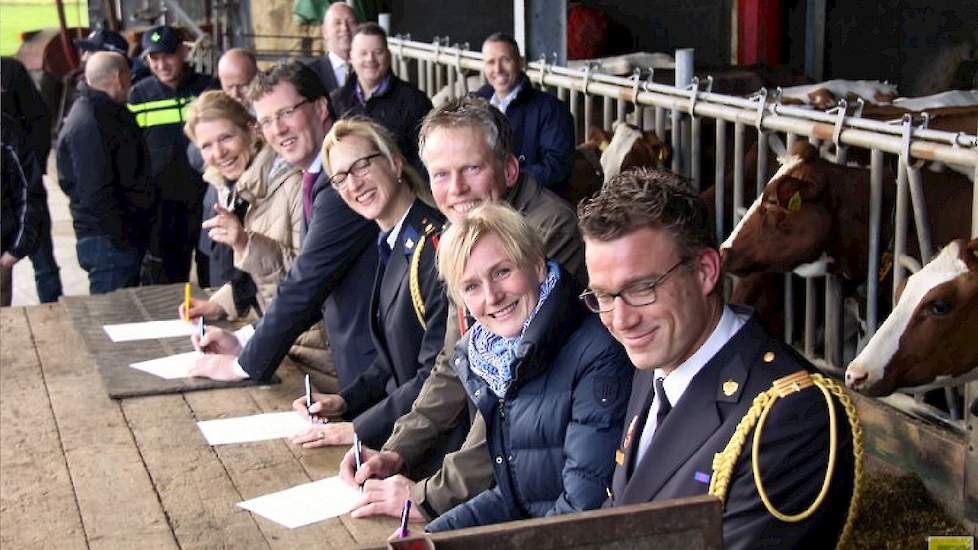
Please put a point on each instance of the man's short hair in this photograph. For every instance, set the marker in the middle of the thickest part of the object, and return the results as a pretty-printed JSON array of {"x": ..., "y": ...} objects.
[
  {"x": 644, "y": 197},
  {"x": 520, "y": 241},
  {"x": 103, "y": 67},
  {"x": 305, "y": 81},
  {"x": 371, "y": 29},
  {"x": 504, "y": 38},
  {"x": 475, "y": 113}
]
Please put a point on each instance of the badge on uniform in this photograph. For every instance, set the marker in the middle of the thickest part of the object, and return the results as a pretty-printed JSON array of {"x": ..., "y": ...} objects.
[
  {"x": 627, "y": 442},
  {"x": 730, "y": 387}
]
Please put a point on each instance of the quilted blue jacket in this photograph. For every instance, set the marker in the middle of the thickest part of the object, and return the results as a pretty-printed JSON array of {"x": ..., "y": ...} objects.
[{"x": 552, "y": 437}]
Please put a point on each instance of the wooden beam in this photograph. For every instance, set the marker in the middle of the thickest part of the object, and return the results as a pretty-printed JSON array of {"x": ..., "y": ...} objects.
[{"x": 37, "y": 500}]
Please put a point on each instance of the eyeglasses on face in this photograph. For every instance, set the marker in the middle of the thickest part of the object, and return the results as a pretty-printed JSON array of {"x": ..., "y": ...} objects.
[
  {"x": 359, "y": 169},
  {"x": 265, "y": 123},
  {"x": 636, "y": 294}
]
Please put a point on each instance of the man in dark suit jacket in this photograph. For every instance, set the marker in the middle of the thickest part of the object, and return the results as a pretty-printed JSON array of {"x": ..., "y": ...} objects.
[
  {"x": 654, "y": 278},
  {"x": 333, "y": 274},
  {"x": 333, "y": 66}
]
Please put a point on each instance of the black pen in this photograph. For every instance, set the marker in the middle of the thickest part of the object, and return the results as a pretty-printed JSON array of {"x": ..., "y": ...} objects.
[{"x": 308, "y": 396}]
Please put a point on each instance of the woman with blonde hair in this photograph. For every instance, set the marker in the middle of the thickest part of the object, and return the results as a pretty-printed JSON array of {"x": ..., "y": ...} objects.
[
  {"x": 408, "y": 306},
  {"x": 258, "y": 216},
  {"x": 549, "y": 380}
]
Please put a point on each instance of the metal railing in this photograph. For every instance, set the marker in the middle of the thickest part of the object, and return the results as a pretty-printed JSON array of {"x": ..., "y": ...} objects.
[{"x": 658, "y": 106}]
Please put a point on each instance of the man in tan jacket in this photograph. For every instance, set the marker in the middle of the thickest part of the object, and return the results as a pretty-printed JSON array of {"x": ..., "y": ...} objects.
[{"x": 466, "y": 148}]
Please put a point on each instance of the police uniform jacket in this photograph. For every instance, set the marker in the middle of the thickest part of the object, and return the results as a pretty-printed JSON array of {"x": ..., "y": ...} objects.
[
  {"x": 794, "y": 446},
  {"x": 161, "y": 112},
  {"x": 552, "y": 437},
  {"x": 406, "y": 350}
]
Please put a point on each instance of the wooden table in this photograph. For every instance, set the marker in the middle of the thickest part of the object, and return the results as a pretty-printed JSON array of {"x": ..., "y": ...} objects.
[{"x": 80, "y": 470}]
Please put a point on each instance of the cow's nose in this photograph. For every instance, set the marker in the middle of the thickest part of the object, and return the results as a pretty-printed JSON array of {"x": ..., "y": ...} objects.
[{"x": 855, "y": 376}]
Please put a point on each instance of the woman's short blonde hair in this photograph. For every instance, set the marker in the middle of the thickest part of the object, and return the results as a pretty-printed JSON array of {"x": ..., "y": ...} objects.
[
  {"x": 381, "y": 139},
  {"x": 217, "y": 105},
  {"x": 522, "y": 244}
]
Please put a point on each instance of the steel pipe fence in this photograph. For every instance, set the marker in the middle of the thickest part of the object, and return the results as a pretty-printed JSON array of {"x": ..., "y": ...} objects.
[{"x": 680, "y": 111}]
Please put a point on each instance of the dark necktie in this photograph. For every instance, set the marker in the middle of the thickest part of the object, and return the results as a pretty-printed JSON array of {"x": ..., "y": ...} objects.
[
  {"x": 383, "y": 249},
  {"x": 664, "y": 405},
  {"x": 308, "y": 180}
]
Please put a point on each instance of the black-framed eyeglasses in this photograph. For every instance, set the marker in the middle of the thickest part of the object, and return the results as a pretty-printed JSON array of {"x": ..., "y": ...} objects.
[
  {"x": 637, "y": 294},
  {"x": 282, "y": 114},
  {"x": 358, "y": 168}
]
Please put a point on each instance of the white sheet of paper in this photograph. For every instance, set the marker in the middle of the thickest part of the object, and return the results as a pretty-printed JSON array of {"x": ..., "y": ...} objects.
[
  {"x": 171, "y": 367},
  {"x": 306, "y": 503},
  {"x": 258, "y": 427},
  {"x": 149, "y": 330}
]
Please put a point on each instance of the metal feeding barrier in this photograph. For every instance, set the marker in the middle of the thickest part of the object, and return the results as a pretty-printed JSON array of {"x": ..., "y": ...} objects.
[{"x": 683, "y": 108}]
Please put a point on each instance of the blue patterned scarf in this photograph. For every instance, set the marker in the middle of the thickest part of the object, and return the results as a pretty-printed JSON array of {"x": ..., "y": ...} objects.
[{"x": 491, "y": 356}]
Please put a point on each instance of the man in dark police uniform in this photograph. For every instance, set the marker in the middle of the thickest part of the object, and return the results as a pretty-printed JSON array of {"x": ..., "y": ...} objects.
[
  {"x": 655, "y": 280},
  {"x": 159, "y": 103}
]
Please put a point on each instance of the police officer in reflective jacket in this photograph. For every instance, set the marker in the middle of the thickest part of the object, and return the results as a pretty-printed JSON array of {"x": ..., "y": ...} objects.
[{"x": 159, "y": 103}]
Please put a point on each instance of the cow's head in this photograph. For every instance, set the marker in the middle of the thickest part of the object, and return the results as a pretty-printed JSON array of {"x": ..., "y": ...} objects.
[
  {"x": 788, "y": 225},
  {"x": 630, "y": 147},
  {"x": 932, "y": 331}
]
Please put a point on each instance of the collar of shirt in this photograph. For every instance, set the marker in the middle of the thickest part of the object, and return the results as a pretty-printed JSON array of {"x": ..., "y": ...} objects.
[
  {"x": 339, "y": 67},
  {"x": 317, "y": 164},
  {"x": 503, "y": 104},
  {"x": 381, "y": 89},
  {"x": 396, "y": 231},
  {"x": 678, "y": 380}
]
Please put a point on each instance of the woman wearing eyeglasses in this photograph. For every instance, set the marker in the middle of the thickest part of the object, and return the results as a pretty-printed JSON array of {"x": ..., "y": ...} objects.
[
  {"x": 258, "y": 215},
  {"x": 408, "y": 306},
  {"x": 551, "y": 383}
]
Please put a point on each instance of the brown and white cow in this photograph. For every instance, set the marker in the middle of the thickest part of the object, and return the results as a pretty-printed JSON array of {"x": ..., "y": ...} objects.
[
  {"x": 825, "y": 95},
  {"x": 605, "y": 155},
  {"x": 812, "y": 209},
  {"x": 932, "y": 331}
]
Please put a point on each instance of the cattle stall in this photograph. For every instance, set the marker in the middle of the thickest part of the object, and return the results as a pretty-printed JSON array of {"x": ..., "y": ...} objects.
[{"x": 815, "y": 326}]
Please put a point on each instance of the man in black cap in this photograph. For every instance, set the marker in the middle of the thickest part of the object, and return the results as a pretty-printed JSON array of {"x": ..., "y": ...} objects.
[
  {"x": 159, "y": 103},
  {"x": 105, "y": 40}
]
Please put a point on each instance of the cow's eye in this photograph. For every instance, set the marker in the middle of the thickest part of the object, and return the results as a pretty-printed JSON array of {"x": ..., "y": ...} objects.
[{"x": 938, "y": 308}]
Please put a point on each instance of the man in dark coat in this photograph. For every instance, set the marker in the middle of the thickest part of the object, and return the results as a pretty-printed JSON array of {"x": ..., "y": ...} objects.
[
  {"x": 103, "y": 167},
  {"x": 334, "y": 66},
  {"x": 543, "y": 128},
  {"x": 20, "y": 204},
  {"x": 333, "y": 275},
  {"x": 158, "y": 103},
  {"x": 21, "y": 100},
  {"x": 654, "y": 277},
  {"x": 376, "y": 93}
]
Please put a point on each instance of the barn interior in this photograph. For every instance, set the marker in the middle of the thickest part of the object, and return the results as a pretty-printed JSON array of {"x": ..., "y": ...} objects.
[{"x": 740, "y": 47}]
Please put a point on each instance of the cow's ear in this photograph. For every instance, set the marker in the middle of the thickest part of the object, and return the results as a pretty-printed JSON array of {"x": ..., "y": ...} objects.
[
  {"x": 596, "y": 135},
  {"x": 786, "y": 188}
]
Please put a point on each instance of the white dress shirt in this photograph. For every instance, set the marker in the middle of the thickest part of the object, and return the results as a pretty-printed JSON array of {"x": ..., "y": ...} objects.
[
  {"x": 503, "y": 103},
  {"x": 339, "y": 68},
  {"x": 676, "y": 382}
]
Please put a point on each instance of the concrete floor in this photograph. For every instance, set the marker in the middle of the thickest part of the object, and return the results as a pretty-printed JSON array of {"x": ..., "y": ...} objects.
[{"x": 74, "y": 280}]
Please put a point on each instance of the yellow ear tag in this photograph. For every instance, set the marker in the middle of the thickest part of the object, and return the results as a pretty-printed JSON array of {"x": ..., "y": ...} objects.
[
  {"x": 794, "y": 203},
  {"x": 602, "y": 146}
]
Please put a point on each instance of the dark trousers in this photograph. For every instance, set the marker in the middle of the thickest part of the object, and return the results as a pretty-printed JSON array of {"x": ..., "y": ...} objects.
[
  {"x": 47, "y": 276},
  {"x": 180, "y": 228},
  {"x": 109, "y": 266}
]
